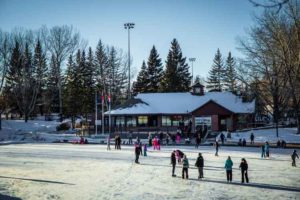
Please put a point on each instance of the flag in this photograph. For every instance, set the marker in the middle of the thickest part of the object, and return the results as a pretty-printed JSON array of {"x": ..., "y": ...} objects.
[
  {"x": 108, "y": 99},
  {"x": 102, "y": 99}
]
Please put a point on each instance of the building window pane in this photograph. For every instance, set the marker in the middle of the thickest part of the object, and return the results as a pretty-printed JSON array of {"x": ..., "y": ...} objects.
[
  {"x": 131, "y": 121},
  {"x": 120, "y": 121},
  {"x": 176, "y": 120},
  {"x": 166, "y": 121},
  {"x": 142, "y": 120}
]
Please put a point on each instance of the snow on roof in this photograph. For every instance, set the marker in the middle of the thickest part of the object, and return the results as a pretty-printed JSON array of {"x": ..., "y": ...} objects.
[{"x": 183, "y": 103}]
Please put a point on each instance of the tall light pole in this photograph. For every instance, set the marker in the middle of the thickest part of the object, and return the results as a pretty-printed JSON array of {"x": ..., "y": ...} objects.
[
  {"x": 129, "y": 26},
  {"x": 192, "y": 60}
]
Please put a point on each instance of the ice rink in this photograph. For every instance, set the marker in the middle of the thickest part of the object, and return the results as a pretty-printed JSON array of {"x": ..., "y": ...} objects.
[{"x": 66, "y": 171}]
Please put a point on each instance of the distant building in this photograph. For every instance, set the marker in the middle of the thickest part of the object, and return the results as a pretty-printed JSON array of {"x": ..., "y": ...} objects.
[{"x": 191, "y": 112}]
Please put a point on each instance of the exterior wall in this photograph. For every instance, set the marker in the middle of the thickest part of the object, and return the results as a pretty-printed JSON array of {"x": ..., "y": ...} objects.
[
  {"x": 211, "y": 108},
  {"x": 214, "y": 122}
]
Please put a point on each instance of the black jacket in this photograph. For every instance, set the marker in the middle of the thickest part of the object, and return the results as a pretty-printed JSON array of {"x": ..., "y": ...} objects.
[
  {"x": 244, "y": 166},
  {"x": 200, "y": 162},
  {"x": 173, "y": 158}
]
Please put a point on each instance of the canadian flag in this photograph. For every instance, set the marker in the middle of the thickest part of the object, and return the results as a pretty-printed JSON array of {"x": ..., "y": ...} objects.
[
  {"x": 108, "y": 99},
  {"x": 102, "y": 99}
]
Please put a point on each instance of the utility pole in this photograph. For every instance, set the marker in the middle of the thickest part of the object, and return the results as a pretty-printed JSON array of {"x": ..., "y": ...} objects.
[{"x": 129, "y": 26}]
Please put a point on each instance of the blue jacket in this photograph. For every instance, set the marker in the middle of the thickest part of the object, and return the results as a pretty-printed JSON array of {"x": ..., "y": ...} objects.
[{"x": 228, "y": 164}]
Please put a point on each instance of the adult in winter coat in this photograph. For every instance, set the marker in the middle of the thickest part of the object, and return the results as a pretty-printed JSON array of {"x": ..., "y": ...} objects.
[
  {"x": 198, "y": 141},
  {"x": 244, "y": 170},
  {"x": 145, "y": 149},
  {"x": 108, "y": 142},
  {"x": 217, "y": 148},
  {"x": 185, "y": 167},
  {"x": 200, "y": 164},
  {"x": 294, "y": 155},
  {"x": 267, "y": 149},
  {"x": 263, "y": 153},
  {"x": 179, "y": 155},
  {"x": 222, "y": 136},
  {"x": 150, "y": 139},
  {"x": 137, "y": 151},
  {"x": 173, "y": 162},
  {"x": 228, "y": 168},
  {"x": 252, "y": 138}
]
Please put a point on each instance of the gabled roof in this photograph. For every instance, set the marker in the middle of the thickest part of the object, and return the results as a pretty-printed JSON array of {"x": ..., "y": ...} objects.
[{"x": 182, "y": 103}]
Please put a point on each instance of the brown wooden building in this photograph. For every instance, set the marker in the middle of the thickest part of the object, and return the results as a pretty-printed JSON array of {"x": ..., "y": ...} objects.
[{"x": 212, "y": 111}]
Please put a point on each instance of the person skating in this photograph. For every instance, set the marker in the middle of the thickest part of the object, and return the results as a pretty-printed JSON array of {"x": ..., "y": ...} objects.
[
  {"x": 130, "y": 138},
  {"x": 137, "y": 153},
  {"x": 108, "y": 143},
  {"x": 200, "y": 164},
  {"x": 244, "y": 170},
  {"x": 179, "y": 155},
  {"x": 263, "y": 153},
  {"x": 252, "y": 138},
  {"x": 267, "y": 149},
  {"x": 222, "y": 136},
  {"x": 150, "y": 139},
  {"x": 228, "y": 168},
  {"x": 217, "y": 148},
  {"x": 294, "y": 156},
  {"x": 145, "y": 149},
  {"x": 185, "y": 167},
  {"x": 116, "y": 141},
  {"x": 173, "y": 162},
  {"x": 198, "y": 141}
]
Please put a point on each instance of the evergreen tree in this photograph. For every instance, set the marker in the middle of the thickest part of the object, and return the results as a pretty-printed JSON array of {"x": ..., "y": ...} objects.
[
  {"x": 230, "y": 79},
  {"x": 88, "y": 88},
  {"x": 52, "y": 90},
  {"x": 117, "y": 78},
  {"x": 176, "y": 76},
  {"x": 141, "y": 84},
  {"x": 102, "y": 68},
  {"x": 216, "y": 74},
  {"x": 73, "y": 87},
  {"x": 40, "y": 67},
  {"x": 154, "y": 72}
]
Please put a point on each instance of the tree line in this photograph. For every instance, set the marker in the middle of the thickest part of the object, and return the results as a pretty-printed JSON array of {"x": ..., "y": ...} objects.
[{"x": 34, "y": 78}]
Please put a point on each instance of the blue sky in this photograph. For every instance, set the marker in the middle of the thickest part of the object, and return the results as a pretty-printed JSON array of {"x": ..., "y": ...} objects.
[{"x": 200, "y": 26}]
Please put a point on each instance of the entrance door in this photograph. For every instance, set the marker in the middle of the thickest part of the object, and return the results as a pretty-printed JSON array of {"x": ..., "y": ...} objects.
[{"x": 203, "y": 125}]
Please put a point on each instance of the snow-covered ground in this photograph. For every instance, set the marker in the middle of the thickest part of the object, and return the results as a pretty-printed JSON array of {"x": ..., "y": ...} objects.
[
  {"x": 66, "y": 171},
  {"x": 263, "y": 135},
  {"x": 17, "y": 131}
]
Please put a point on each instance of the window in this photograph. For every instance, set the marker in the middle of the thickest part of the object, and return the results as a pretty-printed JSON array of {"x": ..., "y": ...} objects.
[
  {"x": 120, "y": 121},
  {"x": 131, "y": 121},
  {"x": 143, "y": 120},
  {"x": 176, "y": 120},
  {"x": 166, "y": 121}
]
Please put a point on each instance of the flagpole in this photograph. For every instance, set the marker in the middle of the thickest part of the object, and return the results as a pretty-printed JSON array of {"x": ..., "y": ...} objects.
[
  {"x": 102, "y": 109},
  {"x": 109, "y": 106},
  {"x": 96, "y": 112}
]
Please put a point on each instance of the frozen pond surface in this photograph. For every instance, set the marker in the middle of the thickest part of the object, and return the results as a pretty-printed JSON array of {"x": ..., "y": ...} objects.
[{"x": 65, "y": 171}]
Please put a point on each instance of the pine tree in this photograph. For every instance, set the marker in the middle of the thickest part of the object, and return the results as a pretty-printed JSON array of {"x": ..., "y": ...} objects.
[
  {"x": 73, "y": 87},
  {"x": 40, "y": 73},
  {"x": 176, "y": 76},
  {"x": 216, "y": 74},
  {"x": 88, "y": 86},
  {"x": 141, "y": 84},
  {"x": 52, "y": 91},
  {"x": 154, "y": 71},
  {"x": 101, "y": 63},
  {"x": 230, "y": 79},
  {"x": 117, "y": 78}
]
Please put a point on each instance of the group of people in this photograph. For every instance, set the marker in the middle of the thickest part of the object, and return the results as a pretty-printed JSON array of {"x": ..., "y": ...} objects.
[
  {"x": 243, "y": 166},
  {"x": 200, "y": 165}
]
